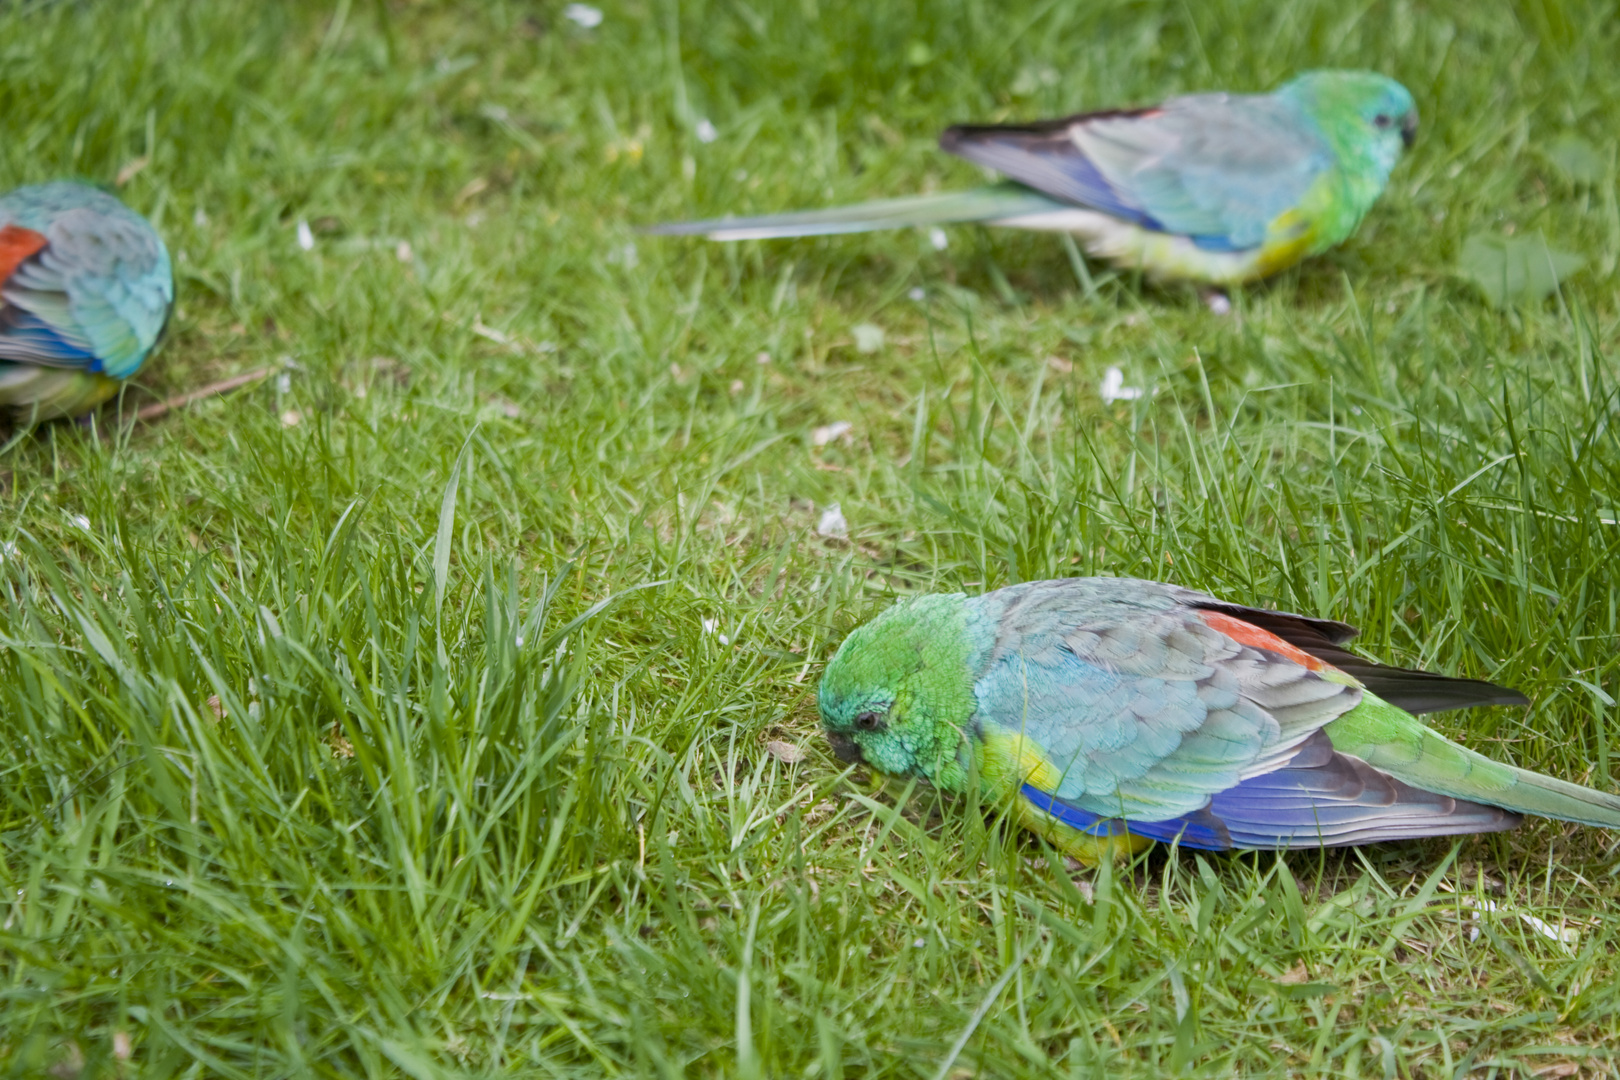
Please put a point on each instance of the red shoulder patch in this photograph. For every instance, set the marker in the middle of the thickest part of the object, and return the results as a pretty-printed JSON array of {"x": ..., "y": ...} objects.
[
  {"x": 17, "y": 244},
  {"x": 1245, "y": 634}
]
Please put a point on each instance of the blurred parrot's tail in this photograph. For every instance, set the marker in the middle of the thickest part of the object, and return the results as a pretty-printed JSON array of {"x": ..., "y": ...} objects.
[{"x": 992, "y": 203}]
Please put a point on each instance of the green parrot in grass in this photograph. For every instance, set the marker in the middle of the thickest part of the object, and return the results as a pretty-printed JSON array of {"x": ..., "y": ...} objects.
[
  {"x": 1214, "y": 188},
  {"x": 1114, "y": 713},
  {"x": 85, "y": 292}
]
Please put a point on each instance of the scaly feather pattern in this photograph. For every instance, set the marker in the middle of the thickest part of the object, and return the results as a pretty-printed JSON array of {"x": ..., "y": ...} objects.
[{"x": 86, "y": 288}]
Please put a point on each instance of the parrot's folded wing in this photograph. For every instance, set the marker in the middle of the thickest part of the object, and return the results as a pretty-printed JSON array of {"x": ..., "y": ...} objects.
[
  {"x": 1044, "y": 156},
  {"x": 1144, "y": 712},
  {"x": 1217, "y": 168}
]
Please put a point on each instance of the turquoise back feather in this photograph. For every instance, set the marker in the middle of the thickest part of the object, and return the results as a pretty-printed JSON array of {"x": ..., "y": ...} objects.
[{"x": 1144, "y": 711}]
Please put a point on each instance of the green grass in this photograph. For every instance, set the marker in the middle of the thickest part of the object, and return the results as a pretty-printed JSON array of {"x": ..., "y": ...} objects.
[{"x": 325, "y": 759}]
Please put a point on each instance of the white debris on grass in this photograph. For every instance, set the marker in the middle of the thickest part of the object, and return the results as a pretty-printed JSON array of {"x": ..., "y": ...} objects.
[
  {"x": 826, "y": 433},
  {"x": 1113, "y": 387},
  {"x": 868, "y": 338},
  {"x": 832, "y": 523},
  {"x": 937, "y": 237},
  {"x": 306, "y": 238},
  {"x": 1564, "y": 935},
  {"x": 583, "y": 15},
  {"x": 785, "y": 752},
  {"x": 705, "y": 131}
]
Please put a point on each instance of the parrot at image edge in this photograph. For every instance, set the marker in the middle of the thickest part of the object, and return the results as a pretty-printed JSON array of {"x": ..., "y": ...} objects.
[
  {"x": 1115, "y": 712},
  {"x": 1215, "y": 188},
  {"x": 85, "y": 292}
]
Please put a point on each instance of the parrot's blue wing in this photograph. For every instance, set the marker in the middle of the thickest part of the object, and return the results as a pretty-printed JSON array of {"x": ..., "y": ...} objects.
[
  {"x": 1324, "y": 798},
  {"x": 1163, "y": 713},
  {"x": 26, "y": 336},
  {"x": 96, "y": 295},
  {"x": 1217, "y": 168},
  {"x": 1319, "y": 799},
  {"x": 1144, "y": 710}
]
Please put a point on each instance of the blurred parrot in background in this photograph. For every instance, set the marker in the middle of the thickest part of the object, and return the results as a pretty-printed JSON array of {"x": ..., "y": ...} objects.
[
  {"x": 85, "y": 291},
  {"x": 1114, "y": 712},
  {"x": 1214, "y": 188}
]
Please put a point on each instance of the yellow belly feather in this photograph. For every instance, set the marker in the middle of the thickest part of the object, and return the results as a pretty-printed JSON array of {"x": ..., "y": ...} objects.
[{"x": 1010, "y": 760}]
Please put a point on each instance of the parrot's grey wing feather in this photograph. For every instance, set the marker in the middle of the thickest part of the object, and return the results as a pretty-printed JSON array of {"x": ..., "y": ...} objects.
[
  {"x": 1218, "y": 168},
  {"x": 1411, "y": 689},
  {"x": 1044, "y": 156}
]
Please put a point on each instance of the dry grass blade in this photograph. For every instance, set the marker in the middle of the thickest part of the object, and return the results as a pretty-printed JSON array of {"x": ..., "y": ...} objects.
[{"x": 148, "y": 413}]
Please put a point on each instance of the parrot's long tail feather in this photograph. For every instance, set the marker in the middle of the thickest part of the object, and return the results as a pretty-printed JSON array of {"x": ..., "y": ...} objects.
[
  {"x": 980, "y": 204},
  {"x": 1529, "y": 792},
  {"x": 1425, "y": 759}
]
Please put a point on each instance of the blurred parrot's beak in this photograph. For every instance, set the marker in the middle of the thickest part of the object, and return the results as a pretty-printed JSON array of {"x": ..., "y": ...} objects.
[
  {"x": 845, "y": 748},
  {"x": 1409, "y": 129}
]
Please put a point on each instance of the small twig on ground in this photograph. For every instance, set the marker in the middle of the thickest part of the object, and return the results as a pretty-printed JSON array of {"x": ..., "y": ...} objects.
[{"x": 156, "y": 409}]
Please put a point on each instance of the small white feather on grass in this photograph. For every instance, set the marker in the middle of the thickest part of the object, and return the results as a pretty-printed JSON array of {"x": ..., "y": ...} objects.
[
  {"x": 826, "y": 433},
  {"x": 583, "y": 15},
  {"x": 1113, "y": 387}
]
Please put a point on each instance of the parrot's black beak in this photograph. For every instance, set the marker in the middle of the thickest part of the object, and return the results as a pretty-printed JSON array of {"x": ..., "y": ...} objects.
[
  {"x": 845, "y": 748},
  {"x": 1409, "y": 129}
]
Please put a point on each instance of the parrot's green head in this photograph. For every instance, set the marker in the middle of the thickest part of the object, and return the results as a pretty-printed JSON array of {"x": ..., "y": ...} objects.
[
  {"x": 1367, "y": 116},
  {"x": 898, "y": 694}
]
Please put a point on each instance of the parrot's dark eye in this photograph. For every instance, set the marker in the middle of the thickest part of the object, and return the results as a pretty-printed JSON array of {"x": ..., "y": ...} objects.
[
  {"x": 1382, "y": 120},
  {"x": 868, "y": 721}
]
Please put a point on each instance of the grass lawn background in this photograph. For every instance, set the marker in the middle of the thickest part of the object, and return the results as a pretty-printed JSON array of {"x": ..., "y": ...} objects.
[{"x": 323, "y": 757}]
